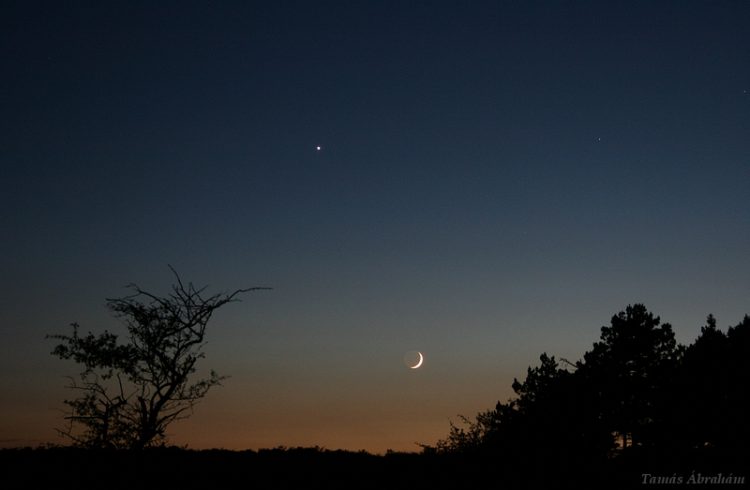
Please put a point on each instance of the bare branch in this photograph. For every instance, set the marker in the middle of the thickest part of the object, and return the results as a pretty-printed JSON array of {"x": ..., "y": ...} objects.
[{"x": 574, "y": 366}]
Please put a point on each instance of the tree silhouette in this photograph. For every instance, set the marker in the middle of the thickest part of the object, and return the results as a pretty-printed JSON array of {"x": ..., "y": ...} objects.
[
  {"x": 738, "y": 386},
  {"x": 701, "y": 390},
  {"x": 713, "y": 388},
  {"x": 627, "y": 371},
  {"x": 128, "y": 393},
  {"x": 615, "y": 389},
  {"x": 674, "y": 411}
]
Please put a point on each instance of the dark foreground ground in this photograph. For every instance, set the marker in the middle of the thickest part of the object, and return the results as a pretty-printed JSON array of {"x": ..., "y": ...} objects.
[{"x": 309, "y": 468}]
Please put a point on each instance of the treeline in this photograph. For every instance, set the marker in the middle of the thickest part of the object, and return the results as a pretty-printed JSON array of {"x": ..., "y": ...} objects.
[
  {"x": 638, "y": 408},
  {"x": 636, "y": 399}
]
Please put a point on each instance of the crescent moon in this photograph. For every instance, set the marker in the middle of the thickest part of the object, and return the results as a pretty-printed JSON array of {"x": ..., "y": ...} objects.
[{"x": 421, "y": 360}]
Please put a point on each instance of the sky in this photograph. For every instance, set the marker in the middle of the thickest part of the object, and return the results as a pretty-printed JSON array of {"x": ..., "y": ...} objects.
[{"x": 495, "y": 180}]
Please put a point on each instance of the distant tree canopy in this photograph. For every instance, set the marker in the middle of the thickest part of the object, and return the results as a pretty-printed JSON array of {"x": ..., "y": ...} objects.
[
  {"x": 128, "y": 393},
  {"x": 635, "y": 389}
]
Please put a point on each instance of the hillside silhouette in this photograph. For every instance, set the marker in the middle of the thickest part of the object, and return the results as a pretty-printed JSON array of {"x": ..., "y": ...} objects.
[{"x": 637, "y": 408}]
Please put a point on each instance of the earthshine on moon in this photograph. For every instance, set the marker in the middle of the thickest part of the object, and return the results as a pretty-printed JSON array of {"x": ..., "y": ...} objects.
[{"x": 413, "y": 359}]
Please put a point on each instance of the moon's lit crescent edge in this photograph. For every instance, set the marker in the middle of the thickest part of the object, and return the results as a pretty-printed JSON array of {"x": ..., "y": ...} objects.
[{"x": 421, "y": 360}]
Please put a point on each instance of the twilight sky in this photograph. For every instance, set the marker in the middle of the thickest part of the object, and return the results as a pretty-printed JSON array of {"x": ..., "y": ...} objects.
[{"x": 496, "y": 180}]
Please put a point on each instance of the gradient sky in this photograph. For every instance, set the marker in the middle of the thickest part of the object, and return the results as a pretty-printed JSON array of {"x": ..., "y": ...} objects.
[{"x": 496, "y": 180}]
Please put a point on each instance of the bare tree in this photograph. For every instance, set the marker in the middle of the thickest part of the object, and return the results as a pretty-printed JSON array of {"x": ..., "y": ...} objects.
[{"x": 128, "y": 393}]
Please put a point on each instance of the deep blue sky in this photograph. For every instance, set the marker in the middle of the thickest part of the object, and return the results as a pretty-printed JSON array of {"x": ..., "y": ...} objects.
[{"x": 496, "y": 180}]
